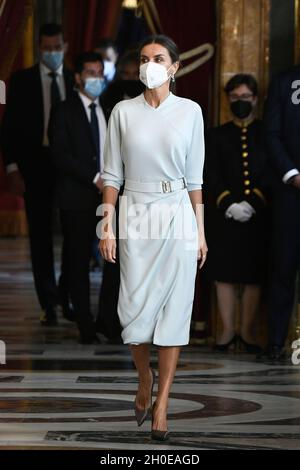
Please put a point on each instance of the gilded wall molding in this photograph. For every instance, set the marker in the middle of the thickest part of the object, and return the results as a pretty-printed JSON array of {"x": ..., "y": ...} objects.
[{"x": 243, "y": 45}]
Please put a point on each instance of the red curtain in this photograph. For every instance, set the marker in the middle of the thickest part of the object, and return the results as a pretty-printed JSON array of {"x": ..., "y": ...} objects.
[
  {"x": 190, "y": 24},
  {"x": 90, "y": 21},
  {"x": 14, "y": 15}
]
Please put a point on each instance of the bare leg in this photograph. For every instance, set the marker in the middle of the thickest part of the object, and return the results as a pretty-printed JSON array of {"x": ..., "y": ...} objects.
[
  {"x": 141, "y": 357},
  {"x": 250, "y": 302},
  {"x": 167, "y": 358},
  {"x": 226, "y": 302}
]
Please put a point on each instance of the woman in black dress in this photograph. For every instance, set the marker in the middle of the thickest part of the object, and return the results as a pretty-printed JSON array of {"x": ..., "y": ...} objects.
[{"x": 237, "y": 211}]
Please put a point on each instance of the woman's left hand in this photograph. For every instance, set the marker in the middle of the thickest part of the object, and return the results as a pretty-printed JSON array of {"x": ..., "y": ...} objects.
[{"x": 202, "y": 251}]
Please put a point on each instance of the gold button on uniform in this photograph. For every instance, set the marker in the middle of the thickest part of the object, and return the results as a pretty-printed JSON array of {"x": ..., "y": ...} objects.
[
  {"x": 244, "y": 129},
  {"x": 245, "y": 154},
  {"x": 246, "y": 173},
  {"x": 247, "y": 191},
  {"x": 244, "y": 146},
  {"x": 243, "y": 137},
  {"x": 245, "y": 163},
  {"x": 246, "y": 182}
]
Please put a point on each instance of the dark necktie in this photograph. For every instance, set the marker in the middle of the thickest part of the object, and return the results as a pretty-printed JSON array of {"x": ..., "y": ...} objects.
[
  {"x": 55, "y": 94},
  {"x": 95, "y": 132}
]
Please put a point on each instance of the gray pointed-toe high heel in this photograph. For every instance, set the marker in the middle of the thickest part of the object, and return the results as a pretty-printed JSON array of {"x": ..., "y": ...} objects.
[
  {"x": 141, "y": 415},
  {"x": 157, "y": 435}
]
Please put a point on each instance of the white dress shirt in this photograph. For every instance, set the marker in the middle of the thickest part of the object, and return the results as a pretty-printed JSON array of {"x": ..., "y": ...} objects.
[
  {"x": 46, "y": 87},
  {"x": 102, "y": 126},
  {"x": 46, "y": 90}
]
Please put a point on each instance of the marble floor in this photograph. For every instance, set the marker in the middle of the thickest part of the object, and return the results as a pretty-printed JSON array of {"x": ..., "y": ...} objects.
[{"x": 58, "y": 394}]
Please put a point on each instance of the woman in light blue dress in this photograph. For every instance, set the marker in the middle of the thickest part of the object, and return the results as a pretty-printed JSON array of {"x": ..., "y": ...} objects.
[{"x": 155, "y": 146}]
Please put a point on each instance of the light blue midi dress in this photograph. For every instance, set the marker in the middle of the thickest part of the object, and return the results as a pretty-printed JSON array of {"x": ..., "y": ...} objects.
[{"x": 158, "y": 230}]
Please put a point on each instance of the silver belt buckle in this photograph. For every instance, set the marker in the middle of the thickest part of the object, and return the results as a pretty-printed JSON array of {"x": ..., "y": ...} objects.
[{"x": 166, "y": 186}]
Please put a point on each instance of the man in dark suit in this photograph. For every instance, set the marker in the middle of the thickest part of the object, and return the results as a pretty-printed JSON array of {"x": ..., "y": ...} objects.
[
  {"x": 282, "y": 134},
  {"x": 25, "y": 146},
  {"x": 77, "y": 133},
  {"x": 125, "y": 86}
]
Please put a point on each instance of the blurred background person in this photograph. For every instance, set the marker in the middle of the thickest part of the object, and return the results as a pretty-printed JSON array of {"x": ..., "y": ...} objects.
[
  {"x": 282, "y": 143},
  {"x": 33, "y": 92},
  {"x": 237, "y": 212},
  {"x": 77, "y": 132},
  {"x": 107, "y": 48},
  {"x": 128, "y": 66},
  {"x": 126, "y": 85}
]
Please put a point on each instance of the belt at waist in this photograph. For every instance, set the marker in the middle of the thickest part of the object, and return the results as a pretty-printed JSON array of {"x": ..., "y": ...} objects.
[{"x": 158, "y": 187}]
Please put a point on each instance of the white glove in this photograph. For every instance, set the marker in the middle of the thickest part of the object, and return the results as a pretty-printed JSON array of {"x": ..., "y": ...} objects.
[
  {"x": 241, "y": 212},
  {"x": 248, "y": 207}
]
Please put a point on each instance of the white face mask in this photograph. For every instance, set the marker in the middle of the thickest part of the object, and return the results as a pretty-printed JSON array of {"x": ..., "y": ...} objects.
[
  {"x": 109, "y": 70},
  {"x": 153, "y": 75}
]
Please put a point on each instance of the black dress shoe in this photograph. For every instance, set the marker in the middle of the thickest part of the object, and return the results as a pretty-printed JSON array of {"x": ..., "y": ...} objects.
[
  {"x": 87, "y": 339},
  {"x": 64, "y": 301},
  {"x": 68, "y": 312},
  {"x": 272, "y": 353},
  {"x": 117, "y": 340},
  {"x": 226, "y": 346},
  {"x": 49, "y": 317},
  {"x": 278, "y": 354},
  {"x": 251, "y": 348}
]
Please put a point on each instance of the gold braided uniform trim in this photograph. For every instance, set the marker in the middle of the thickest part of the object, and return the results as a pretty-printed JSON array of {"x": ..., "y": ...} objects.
[
  {"x": 221, "y": 197},
  {"x": 260, "y": 194}
]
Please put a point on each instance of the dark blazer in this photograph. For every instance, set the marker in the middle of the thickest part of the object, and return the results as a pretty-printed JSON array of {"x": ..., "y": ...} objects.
[
  {"x": 282, "y": 121},
  {"x": 228, "y": 176},
  {"x": 236, "y": 170},
  {"x": 74, "y": 156},
  {"x": 117, "y": 91},
  {"x": 23, "y": 121}
]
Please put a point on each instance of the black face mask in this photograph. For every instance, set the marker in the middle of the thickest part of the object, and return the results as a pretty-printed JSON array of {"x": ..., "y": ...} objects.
[{"x": 241, "y": 108}]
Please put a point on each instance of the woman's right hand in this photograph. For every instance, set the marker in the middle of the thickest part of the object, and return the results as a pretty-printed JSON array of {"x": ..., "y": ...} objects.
[{"x": 108, "y": 247}]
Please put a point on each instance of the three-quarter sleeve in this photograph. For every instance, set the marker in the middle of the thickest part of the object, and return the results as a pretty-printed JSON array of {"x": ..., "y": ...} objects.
[
  {"x": 113, "y": 170},
  {"x": 195, "y": 156}
]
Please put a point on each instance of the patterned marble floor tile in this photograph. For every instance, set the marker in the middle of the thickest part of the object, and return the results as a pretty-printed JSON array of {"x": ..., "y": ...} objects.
[{"x": 58, "y": 394}]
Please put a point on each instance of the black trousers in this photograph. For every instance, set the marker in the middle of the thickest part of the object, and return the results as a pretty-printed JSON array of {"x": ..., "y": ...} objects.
[
  {"x": 107, "y": 321},
  {"x": 79, "y": 229},
  {"x": 39, "y": 203},
  {"x": 285, "y": 262}
]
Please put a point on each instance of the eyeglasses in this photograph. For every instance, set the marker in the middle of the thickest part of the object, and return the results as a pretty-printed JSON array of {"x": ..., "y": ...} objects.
[{"x": 244, "y": 96}]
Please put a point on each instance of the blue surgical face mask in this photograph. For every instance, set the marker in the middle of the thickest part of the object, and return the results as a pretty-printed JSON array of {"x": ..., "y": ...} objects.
[
  {"x": 94, "y": 86},
  {"x": 53, "y": 60}
]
